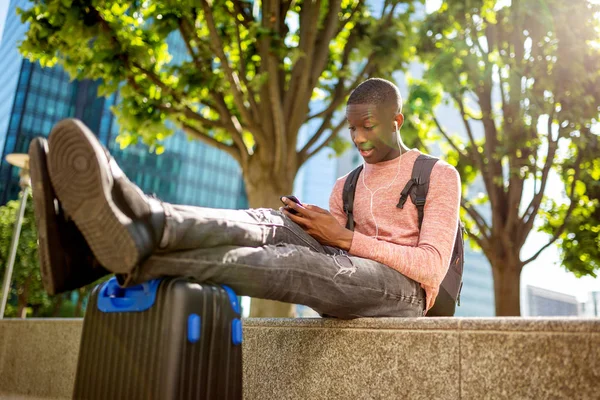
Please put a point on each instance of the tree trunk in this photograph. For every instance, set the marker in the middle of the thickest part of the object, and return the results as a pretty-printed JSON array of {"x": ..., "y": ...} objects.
[
  {"x": 264, "y": 190},
  {"x": 507, "y": 288}
]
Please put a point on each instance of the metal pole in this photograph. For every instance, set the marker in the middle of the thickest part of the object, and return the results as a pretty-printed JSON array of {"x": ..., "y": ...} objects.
[{"x": 13, "y": 251}]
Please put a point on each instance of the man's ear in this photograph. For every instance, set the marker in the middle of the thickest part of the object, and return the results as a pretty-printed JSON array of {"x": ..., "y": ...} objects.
[{"x": 399, "y": 120}]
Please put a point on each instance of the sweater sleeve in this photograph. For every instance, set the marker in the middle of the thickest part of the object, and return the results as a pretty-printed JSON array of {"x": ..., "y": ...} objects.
[
  {"x": 336, "y": 206},
  {"x": 428, "y": 262}
]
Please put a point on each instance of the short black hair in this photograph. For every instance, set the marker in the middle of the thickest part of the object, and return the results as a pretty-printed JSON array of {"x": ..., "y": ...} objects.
[{"x": 379, "y": 92}]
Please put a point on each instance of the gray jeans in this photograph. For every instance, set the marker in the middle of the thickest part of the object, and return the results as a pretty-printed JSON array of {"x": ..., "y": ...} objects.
[{"x": 261, "y": 253}]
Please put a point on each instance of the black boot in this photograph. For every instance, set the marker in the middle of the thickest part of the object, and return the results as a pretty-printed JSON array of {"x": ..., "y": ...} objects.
[
  {"x": 120, "y": 223},
  {"x": 66, "y": 260}
]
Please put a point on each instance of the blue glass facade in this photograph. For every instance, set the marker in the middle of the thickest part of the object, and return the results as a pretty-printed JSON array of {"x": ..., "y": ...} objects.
[
  {"x": 188, "y": 172},
  {"x": 10, "y": 65},
  {"x": 34, "y": 99},
  {"x": 477, "y": 295},
  {"x": 42, "y": 98}
]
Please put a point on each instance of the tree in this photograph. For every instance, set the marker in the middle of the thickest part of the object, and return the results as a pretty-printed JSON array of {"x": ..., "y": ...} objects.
[
  {"x": 256, "y": 71},
  {"x": 526, "y": 75}
]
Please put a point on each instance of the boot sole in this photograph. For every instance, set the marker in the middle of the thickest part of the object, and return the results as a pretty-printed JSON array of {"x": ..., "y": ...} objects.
[
  {"x": 44, "y": 217},
  {"x": 62, "y": 250},
  {"x": 80, "y": 174}
]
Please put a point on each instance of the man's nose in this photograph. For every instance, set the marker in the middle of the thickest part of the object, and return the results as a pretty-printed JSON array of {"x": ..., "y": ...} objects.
[{"x": 359, "y": 137}]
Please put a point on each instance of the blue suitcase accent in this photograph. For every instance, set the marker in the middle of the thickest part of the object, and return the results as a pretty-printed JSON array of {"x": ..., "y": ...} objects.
[
  {"x": 232, "y": 299},
  {"x": 194, "y": 328},
  {"x": 236, "y": 331},
  {"x": 113, "y": 298}
]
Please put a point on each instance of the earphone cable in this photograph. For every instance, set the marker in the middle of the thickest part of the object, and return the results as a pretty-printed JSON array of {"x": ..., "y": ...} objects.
[{"x": 385, "y": 188}]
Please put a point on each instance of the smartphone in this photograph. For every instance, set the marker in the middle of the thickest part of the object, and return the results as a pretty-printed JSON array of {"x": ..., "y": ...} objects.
[{"x": 295, "y": 200}]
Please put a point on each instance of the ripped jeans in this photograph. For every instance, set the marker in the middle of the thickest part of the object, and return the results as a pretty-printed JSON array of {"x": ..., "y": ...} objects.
[{"x": 261, "y": 253}]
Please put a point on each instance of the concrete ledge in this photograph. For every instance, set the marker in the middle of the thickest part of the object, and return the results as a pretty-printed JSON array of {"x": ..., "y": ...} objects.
[{"x": 499, "y": 358}]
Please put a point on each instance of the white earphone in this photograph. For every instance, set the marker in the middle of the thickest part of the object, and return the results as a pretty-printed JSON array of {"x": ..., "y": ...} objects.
[{"x": 386, "y": 187}]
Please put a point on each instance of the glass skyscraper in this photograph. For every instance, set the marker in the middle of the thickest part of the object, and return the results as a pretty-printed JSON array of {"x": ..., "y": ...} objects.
[
  {"x": 33, "y": 99},
  {"x": 10, "y": 65}
]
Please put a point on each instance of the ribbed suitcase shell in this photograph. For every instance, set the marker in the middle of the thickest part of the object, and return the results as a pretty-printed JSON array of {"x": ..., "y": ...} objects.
[{"x": 147, "y": 354}]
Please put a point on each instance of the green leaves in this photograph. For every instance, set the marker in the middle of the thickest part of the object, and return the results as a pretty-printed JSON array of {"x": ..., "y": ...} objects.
[
  {"x": 579, "y": 243},
  {"x": 524, "y": 77},
  {"x": 237, "y": 75},
  {"x": 26, "y": 273}
]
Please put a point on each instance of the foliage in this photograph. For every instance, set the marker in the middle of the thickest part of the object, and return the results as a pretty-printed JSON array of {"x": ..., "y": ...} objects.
[
  {"x": 525, "y": 78},
  {"x": 579, "y": 243},
  {"x": 253, "y": 74},
  {"x": 26, "y": 288}
]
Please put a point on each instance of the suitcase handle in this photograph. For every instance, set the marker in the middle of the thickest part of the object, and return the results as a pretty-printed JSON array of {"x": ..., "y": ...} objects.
[{"x": 114, "y": 298}]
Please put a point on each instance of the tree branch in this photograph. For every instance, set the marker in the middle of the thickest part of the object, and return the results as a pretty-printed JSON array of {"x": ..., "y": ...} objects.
[
  {"x": 502, "y": 94},
  {"x": 482, "y": 225},
  {"x": 232, "y": 124},
  {"x": 468, "y": 114},
  {"x": 324, "y": 125},
  {"x": 478, "y": 157},
  {"x": 448, "y": 139},
  {"x": 184, "y": 30},
  {"x": 189, "y": 113},
  {"x": 234, "y": 82},
  {"x": 572, "y": 205},
  {"x": 301, "y": 101},
  {"x": 329, "y": 111},
  {"x": 340, "y": 92},
  {"x": 473, "y": 33},
  {"x": 309, "y": 17},
  {"x": 480, "y": 242},
  {"x": 232, "y": 151},
  {"x": 186, "y": 110},
  {"x": 270, "y": 9},
  {"x": 251, "y": 99},
  {"x": 334, "y": 132},
  {"x": 533, "y": 207},
  {"x": 158, "y": 82},
  {"x": 231, "y": 127},
  {"x": 246, "y": 19},
  {"x": 324, "y": 37}
]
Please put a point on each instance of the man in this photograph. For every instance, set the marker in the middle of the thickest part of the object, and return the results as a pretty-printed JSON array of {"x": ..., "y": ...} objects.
[{"x": 386, "y": 267}]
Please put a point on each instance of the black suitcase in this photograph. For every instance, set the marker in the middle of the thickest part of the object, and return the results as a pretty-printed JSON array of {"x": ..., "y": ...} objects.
[{"x": 169, "y": 338}]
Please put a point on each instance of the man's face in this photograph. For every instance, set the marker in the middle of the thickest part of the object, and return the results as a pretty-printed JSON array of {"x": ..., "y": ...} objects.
[{"x": 373, "y": 132}]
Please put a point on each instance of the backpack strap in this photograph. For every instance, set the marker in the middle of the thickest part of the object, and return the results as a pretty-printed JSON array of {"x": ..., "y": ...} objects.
[
  {"x": 348, "y": 195},
  {"x": 420, "y": 180}
]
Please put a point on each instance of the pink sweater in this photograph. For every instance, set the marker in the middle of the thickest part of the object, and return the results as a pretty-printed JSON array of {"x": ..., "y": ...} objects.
[{"x": 423, "y": 257}]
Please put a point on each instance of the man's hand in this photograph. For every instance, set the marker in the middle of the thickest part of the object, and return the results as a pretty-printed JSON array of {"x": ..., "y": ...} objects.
[{"x": 320, "y": 224}]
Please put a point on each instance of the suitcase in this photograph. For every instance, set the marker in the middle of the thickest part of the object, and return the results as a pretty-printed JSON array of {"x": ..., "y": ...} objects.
[{"x": 169, "y": 338}]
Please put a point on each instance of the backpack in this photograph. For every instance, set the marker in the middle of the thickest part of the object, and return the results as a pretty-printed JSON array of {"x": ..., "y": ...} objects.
[{"x": 417, "y": 188}]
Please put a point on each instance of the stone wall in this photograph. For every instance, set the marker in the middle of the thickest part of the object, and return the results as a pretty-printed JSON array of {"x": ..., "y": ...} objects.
[{"x": 500, "y": 358}]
